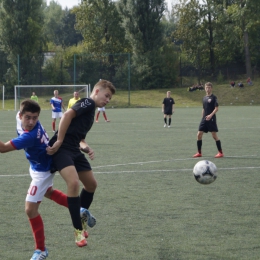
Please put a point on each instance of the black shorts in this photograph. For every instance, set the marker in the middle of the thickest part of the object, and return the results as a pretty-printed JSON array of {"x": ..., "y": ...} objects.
[
  {"x": 64, "y": 158},
  {"x": 168, "y": 112},
  {"x": 208, "y": 126}
]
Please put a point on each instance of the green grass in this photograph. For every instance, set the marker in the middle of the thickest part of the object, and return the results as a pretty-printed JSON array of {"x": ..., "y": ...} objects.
[
  {"x": 248, "y": 96},
  {"x": 147, "y": 204}
]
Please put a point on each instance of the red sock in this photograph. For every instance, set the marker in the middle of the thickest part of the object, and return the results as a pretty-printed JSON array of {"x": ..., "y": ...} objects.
[
  {"x": 53, "y": 126},
  {"x": 60, "y": 198},
  {"x": 104, "y": 114},
  {"x": 97, "y": 115},
  {"x": 38, "y": 232}
]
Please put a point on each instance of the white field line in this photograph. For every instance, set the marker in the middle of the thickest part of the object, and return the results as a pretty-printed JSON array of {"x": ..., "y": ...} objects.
[{"x": 159, "y": 170}]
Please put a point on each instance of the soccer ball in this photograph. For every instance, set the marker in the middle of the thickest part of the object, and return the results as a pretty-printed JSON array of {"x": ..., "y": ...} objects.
[{"x": 205, "y": 172}]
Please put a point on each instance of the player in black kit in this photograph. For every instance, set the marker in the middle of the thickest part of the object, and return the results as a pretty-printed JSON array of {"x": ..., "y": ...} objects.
[
  {"x": 168, "y": 108},
  {"x": 66, "y": 146},
  {"x": 209, "y": 122}
]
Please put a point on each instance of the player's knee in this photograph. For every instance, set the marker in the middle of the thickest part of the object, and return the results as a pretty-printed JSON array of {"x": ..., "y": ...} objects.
[
  {"x": 73, "y": 185},
  {"x": 31, "y": 212}
]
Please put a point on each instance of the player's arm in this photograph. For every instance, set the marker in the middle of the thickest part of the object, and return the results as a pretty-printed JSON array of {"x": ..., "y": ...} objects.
[
  {"x": 172, "y": 108},
  {"x": 6, "y": 147},
  {"x": 163, "y": 108},
  {"x": 208, "y": 117},
  {"x": 63, "y": 106},
  {"x": 63, "y": 127},
  {"x": 84, "y": 147},
  {"x": 52, "y": 106}
]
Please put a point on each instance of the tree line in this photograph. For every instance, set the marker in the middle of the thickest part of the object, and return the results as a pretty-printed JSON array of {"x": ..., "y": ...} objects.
[{"x": 137, "y": 41}]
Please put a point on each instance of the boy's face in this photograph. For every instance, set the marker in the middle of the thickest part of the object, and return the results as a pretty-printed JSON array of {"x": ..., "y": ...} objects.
[
  {"x": 28, "y": 120},
  {"x": 102, "y": 97},
  {"x": 208, "y": 90}
]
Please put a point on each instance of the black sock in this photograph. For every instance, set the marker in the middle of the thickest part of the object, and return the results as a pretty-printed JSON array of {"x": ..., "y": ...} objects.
[
  {"x": 74, "y": 209},
  {"x": 165, "y": 120},
  {"x": 170, "y": 121},
  {"x": 218, "y": 143},
  {"x": 86, "y": 198},
  {"x": 199, "y": 145}
]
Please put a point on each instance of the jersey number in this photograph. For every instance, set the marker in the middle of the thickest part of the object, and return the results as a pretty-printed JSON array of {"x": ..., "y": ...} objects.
[{"x": 32, "y": 190}]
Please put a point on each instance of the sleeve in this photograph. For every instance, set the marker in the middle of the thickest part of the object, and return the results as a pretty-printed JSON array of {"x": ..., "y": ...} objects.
[
  {"x": 23, "y": 141},
  {"x": 216, "y": 101},
  {"x": 85, "y": 105}
]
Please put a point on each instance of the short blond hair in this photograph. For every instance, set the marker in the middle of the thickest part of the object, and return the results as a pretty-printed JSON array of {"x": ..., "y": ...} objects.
[
  {"x": 102, "y": 83},
  {"x": 209, "y": 84}
]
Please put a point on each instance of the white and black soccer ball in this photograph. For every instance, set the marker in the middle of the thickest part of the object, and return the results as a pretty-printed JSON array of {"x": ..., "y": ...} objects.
[{"x": 205, "y": 172}]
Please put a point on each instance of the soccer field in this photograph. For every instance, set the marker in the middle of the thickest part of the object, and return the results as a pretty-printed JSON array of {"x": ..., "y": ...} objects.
[{"x": 147, "y": 204}]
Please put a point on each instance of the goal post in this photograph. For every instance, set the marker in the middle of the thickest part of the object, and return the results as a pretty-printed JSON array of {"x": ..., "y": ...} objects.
[{"x": 45, "y": 93}]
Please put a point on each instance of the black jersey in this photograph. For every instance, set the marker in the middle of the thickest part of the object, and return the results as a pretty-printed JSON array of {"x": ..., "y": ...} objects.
[
  {"x": 168, "y": 102},
  {"x": 209, "y": 104},
  {"x": 80, "y": 125}
]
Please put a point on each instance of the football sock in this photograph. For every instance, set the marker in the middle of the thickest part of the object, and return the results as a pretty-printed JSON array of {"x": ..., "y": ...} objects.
[
  {"x": 105, "y": 116},
  {"x": 60, "y": 198},
  {"x": 218, "y": 143},
  {"x": 165, "y": 120},
  {"x": 86, "y": 198},
  {"x": 38, "y": 232},
  {"x": 199, "y": 145},
  {"x": 74, "y": 209},
  {"x": 170, "y": 121},
  {"x": 53, "y": 126},
  {"x": 97, "y": 115}
]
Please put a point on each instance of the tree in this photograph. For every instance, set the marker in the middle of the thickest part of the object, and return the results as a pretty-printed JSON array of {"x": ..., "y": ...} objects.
[
  {"x": 21, "y": 34},
  {"x": 142, "y": 23},
  {"x": 99, "y": 23}
]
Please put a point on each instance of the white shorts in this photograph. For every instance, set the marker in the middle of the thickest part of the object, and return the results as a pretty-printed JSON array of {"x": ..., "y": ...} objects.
[
  {"x": 101, "y": 109},
  {"x": 57, "y": 114},
  {"x": 41, "y": 182}
]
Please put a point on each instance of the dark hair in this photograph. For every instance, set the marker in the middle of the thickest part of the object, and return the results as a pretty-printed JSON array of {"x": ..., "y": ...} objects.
[{"x": 29, "y": 105}]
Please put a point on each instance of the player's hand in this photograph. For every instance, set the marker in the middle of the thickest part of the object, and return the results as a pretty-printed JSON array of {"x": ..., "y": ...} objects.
[
  {"x": 88, "y": 151},
  {"x": 208, "y": 117},
  {"x": 52, "y": 150}
]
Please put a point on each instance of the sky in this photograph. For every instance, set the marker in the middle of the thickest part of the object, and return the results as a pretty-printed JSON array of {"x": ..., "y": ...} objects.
[{"x": 71, "y": 3}]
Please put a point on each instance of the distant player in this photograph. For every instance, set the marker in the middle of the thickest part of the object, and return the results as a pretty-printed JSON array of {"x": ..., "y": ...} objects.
[
  {"x": 103, "y": 110},
  {"x": 68, "y": 158},
  {"x": 209, "y": 121},
  {"x": 34, "y": 97},
  {"x": 56, "y": 105},
  {"x": 168, "y": 108},
  {"x": 73, "y": 100}
]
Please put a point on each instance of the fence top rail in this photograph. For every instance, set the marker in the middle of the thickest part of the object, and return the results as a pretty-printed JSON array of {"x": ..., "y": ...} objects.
[{"x": 48, "y": 86}]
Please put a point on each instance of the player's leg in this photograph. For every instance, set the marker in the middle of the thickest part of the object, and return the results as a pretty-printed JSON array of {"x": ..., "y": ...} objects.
[
  {"x": 199, "y": 144},
  {"x": 70, "y": 175},
  {"x": 105, "y": 116},
  {"x": 53, "y": 121},
  {"x": 57, "y": 196},
  {"x": 170, "y": 120},
  {"x": 41, "y": 181},
  {"x": 64, "y": 162},
  {"x": 86, "y": 197},
  {"x": 165, "y": 120},
  {"x": 97, "y": 116},
  {"x": 218, "y": 144}
]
